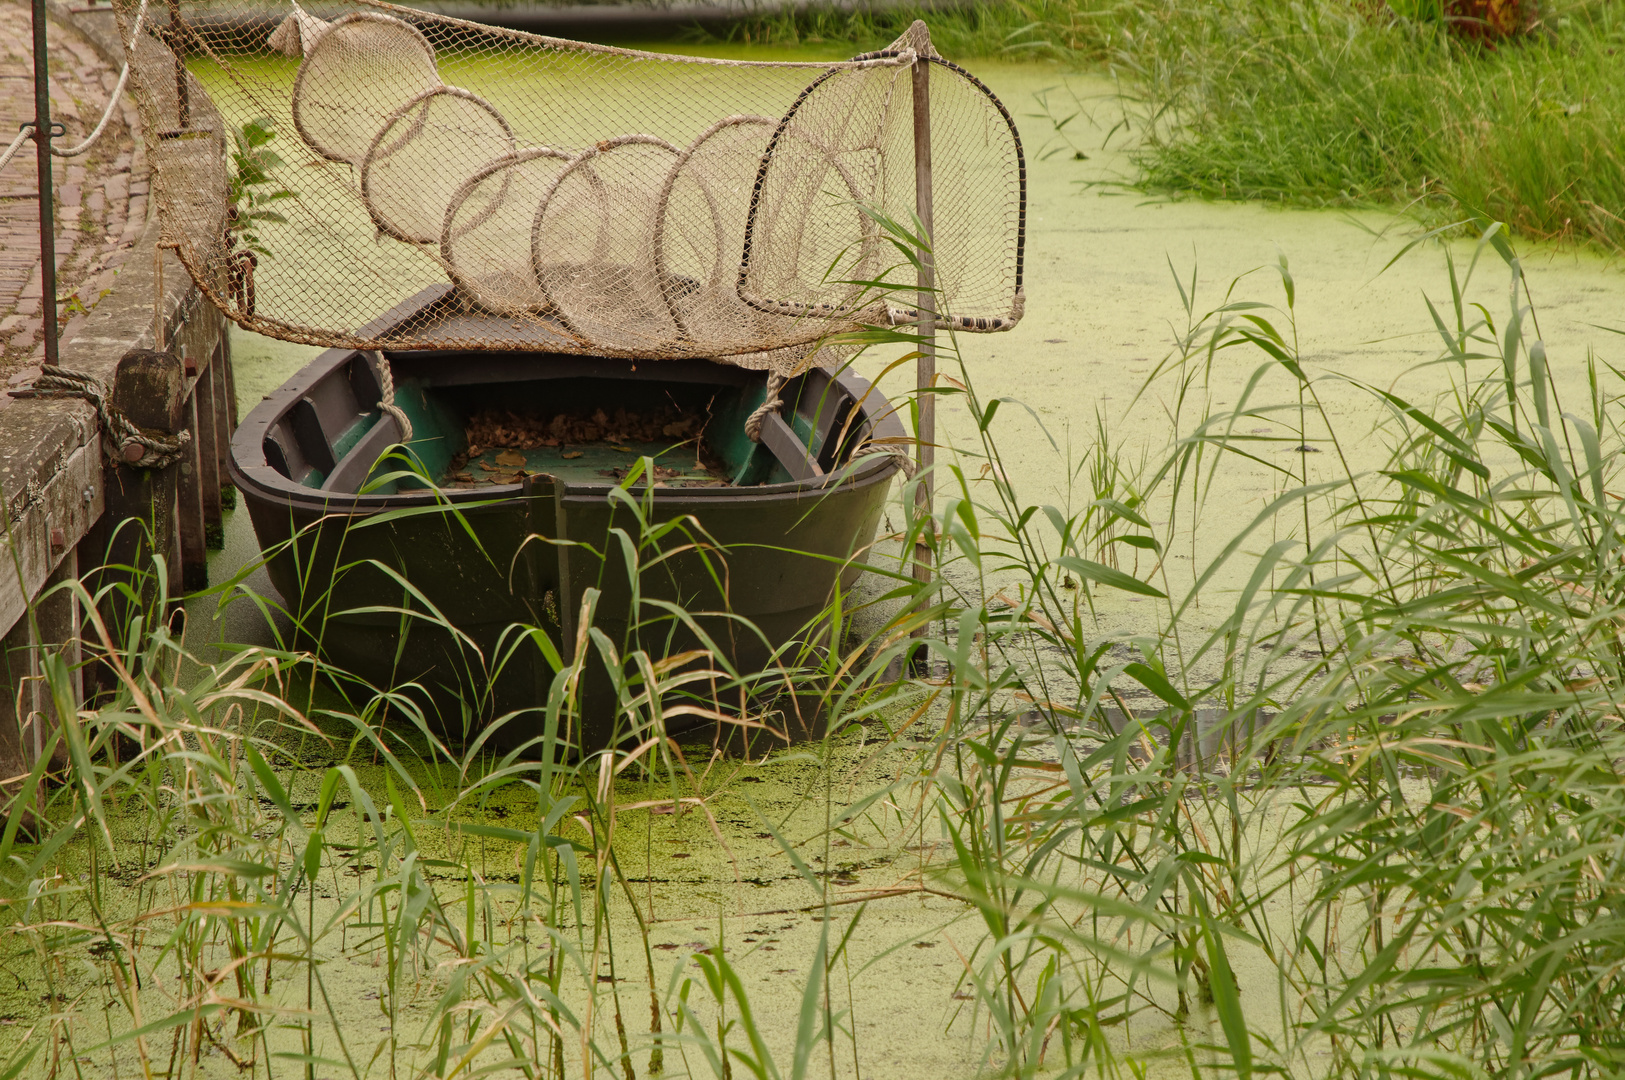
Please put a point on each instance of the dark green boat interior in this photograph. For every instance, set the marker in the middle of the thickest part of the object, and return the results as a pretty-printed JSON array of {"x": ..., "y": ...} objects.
[
  {"x": 327, "y": 439},
  {"x": 440, "y": 415}
]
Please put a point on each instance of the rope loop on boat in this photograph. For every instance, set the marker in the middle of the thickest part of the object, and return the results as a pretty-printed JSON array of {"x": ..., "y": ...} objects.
[
  {"x": 899, "y": 454},
  {"x": 753, "y": 422},
  {"x": 386, "y": 404},
  {"x": 125, "y": 443}
]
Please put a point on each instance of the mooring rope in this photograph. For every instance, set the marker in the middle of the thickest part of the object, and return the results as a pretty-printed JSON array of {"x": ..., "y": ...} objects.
[
  {"x": 118, "y": 91},
  {"x": 753, "y": 422},
  {"x": 125, "y": 443},
  {"x": 386, "y": 404},
  {"x": 23, "y": 136},
  {"x": 27, "y": 130}
]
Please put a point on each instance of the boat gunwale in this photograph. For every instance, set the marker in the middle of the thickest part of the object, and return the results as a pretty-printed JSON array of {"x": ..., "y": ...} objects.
[{"x": 259, "y": 476}]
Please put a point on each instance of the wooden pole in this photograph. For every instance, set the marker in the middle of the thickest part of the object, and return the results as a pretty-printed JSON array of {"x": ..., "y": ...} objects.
[
  {"x": 925, "y": 302},
  {"x": 137, "y": 528},
  {"x": 43, "y": 132}
]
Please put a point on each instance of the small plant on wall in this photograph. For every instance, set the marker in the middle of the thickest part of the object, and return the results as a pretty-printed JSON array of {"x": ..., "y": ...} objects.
[{"x": 253, "y": 191}]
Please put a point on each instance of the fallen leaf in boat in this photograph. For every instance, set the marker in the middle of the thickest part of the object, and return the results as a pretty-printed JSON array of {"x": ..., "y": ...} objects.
[
  {"x": 622, "y": 449},
  {"x": 511, "y": 458},
  {"x": 570, "y": 455},
  {"x": 466, "y": 478}
]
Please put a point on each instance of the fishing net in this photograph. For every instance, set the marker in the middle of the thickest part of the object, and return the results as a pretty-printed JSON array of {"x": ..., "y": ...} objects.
[{"x": 371, "y": 176}]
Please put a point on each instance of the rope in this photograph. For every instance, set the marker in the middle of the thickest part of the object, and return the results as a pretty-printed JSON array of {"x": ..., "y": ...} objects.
[
  {"x": 112, "y": 99},
  {"x": 386, "y": 404},
  {"x": 125, "y": 443},
  {"x": 753, "y": 422},
  {"x": 16, "y": 144},
  {"x": 101, "y": 126},
  {"x": 27, "y": 129},
  {"x": 905, "y": 460}
]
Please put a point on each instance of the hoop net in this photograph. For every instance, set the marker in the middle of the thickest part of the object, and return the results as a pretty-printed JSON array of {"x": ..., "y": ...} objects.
[{"x": 431, "y": 183}]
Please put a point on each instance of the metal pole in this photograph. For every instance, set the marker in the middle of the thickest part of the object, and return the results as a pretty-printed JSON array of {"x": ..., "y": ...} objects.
[
  {"x": 925, "y": 303},
  {"x": 176, "y": 40},
  {"x": 47, "y": 219}
]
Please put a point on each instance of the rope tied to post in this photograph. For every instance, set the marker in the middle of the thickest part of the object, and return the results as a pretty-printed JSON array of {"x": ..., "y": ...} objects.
[
  {"x": 124, "y": 442},
  {"x": 386, "y": 404},
  {"x": 771, "y": 404}
]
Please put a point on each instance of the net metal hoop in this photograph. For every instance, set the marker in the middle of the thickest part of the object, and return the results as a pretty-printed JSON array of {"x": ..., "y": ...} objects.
[
  {"x": 963, "y": 322},
  {"x": 584, "y": 160},
  {"x": 511, "y": 212},
  {"x": 300, "y": 91},
  {"x": 449, "y": 233},
  {"x": 663, "y": 273},
  {"x": 377, "y": 153}
]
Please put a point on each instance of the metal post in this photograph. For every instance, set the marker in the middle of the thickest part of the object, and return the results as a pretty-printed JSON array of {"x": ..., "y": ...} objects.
[
  {"x": 47, "y": 219},
  {"x": 176, "y": 40},
  {"x": 925, "y": 303}
]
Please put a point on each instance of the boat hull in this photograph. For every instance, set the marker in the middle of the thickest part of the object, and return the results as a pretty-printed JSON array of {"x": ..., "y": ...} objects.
[{"x": 442, "y": 593}]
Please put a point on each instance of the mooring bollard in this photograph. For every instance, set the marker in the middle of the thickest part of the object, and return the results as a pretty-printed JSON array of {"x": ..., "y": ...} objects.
[{"x": 138, "y": 530}]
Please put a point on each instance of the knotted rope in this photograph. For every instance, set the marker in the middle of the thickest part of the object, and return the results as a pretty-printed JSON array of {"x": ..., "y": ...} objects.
[
  {"x": 772, "y": 404},
  {"x": 386, "y": 404},
  {"x": 125, "y": 443}
]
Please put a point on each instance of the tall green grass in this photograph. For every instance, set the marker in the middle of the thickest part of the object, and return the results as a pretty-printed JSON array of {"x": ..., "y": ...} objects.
[
  {"x": 1325, "y": 102},
  {"x": 1386, "y": 838}
]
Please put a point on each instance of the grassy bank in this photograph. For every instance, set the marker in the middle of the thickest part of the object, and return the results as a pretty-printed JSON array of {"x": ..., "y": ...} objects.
[{"x": 1328, "y": 102}]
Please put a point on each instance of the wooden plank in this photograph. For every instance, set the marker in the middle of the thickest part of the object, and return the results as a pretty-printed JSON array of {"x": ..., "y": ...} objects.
[
  {"x": 228, "y": 409},
  {"x": 208, "y": 449},
  {"x": 194, "y": 551},
  {"x": 780, "y": 438},
  {"x": 28, "y": 713},
  {"x": 63, "y": 511}
]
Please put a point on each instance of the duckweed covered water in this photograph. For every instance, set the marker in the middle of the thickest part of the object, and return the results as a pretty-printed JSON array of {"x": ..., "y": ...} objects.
[{"x": 1103, "y": 306}]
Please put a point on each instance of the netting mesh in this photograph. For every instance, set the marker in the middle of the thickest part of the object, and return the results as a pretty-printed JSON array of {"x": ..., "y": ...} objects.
[{"x": 316, "y": 175}]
